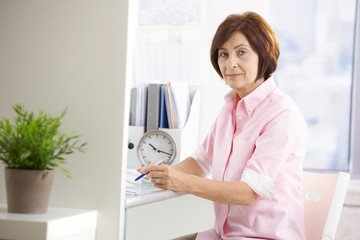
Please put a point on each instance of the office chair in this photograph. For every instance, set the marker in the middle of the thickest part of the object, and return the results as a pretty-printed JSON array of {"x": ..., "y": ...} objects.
[{"x": 323, "y": 195}]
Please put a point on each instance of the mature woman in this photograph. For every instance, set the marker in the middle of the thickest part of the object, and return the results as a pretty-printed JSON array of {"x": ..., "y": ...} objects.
[{"x": 254, "y": 151}]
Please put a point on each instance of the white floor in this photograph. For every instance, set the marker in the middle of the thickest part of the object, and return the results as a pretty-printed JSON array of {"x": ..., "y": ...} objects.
[{"x": 349, "y": 224}]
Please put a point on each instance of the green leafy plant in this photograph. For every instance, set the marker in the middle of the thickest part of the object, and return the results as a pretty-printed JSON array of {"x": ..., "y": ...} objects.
[{"x": 29, "y": 141}]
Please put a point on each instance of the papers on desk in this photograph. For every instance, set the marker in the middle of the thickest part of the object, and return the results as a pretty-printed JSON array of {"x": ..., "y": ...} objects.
[
  {"x": 164, "y": 105},
  {"x": 139, "y": 187}
]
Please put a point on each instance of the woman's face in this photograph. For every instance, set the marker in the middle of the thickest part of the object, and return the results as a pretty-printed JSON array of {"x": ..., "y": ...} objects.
[{"x": 238, "y": 64}]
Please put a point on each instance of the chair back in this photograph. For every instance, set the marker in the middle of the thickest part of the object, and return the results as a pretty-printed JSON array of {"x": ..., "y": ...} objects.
[{"x": 323, "y": 195}]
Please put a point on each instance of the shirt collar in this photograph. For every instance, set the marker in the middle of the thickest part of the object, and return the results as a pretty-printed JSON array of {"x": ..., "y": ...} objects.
[{"x": 253, "y": 99}]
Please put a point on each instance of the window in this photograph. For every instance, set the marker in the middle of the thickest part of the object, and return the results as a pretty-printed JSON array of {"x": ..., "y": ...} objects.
[{"x": 316, "y": 70}]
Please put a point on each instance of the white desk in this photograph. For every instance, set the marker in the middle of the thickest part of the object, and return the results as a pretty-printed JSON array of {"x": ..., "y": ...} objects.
[
  {"x": 166, "y": 219},
  {"x": 58, "y": 223},
  {"x": 146, "y": 198}
]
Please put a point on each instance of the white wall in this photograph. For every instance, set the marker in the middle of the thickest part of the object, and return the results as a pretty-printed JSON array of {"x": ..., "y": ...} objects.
[{"x": 72, "y": 53}]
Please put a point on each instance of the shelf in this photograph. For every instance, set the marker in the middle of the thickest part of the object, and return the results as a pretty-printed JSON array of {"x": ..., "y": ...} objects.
[{"x": 58, "y": 223}]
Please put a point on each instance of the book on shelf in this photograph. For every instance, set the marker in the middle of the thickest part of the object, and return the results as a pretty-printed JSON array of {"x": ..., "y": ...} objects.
[
  {"x": 164, "y": 122},
  {"x": 177, "y": 103},
  {"x": 153, "y": 106},
  {"x": 138, "y": 100}
]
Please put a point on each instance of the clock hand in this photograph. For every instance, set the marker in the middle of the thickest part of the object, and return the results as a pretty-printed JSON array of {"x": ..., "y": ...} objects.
[
  {"x": 160, "y": 151},
  {"x": 153, "y": 147}
]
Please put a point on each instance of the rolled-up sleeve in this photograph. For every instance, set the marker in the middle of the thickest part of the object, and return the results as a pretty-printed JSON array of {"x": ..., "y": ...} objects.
[{"x": 260, "y": 184}]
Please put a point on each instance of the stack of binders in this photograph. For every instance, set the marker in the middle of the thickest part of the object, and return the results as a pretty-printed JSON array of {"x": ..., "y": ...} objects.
[{"x": 166, "y": 106}]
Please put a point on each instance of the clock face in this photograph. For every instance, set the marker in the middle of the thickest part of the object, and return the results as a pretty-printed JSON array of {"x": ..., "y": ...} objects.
[{"x": 156, "y": 145}]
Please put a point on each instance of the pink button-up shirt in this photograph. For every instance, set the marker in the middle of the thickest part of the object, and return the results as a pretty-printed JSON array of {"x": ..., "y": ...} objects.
[{"x": 260, "y": 140}]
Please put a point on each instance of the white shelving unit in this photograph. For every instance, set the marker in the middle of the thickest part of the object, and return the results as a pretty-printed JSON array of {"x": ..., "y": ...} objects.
[{"x": 57, "y": 224}]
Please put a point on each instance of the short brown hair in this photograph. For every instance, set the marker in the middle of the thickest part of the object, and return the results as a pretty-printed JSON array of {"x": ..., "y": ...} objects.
[{"x": 261, "y": 38}]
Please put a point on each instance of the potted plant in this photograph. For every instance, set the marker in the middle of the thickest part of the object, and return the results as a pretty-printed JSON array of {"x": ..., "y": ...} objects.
[{"x": 32, "y": 147}]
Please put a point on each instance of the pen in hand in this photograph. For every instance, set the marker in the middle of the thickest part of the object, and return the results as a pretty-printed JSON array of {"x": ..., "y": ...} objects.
[{"x": 144, "y": 174}]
